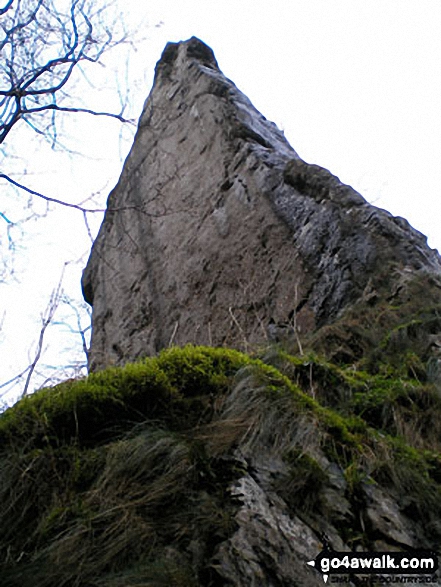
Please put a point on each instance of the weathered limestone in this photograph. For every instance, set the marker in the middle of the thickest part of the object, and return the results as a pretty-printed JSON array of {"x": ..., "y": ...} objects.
[{"x": 218, "y": 233}]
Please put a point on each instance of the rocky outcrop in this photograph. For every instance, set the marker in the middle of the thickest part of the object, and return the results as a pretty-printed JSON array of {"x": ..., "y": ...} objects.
[
  {"x": 204, "y": 466},
  {"x": 218, "y": 233}
]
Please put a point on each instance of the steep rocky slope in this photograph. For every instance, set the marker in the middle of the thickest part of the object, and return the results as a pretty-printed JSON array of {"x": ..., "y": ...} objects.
[{"x": 205, "y": 465}]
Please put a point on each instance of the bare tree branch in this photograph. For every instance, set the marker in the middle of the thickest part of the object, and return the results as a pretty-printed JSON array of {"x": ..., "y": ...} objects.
[
  {"x": 47, "y": 198},
  {"x": 75, "y": 319},
  {"x": 81, "y": 110},
  {"x": 46, "y": 319},
  {"x": 14, "y": 379},
  {"x": 47, "y": 48},
  {"x": 40, "y": 48},
  {"x": 80, "y": 330},
  {"x": 42, "y": 44},
  {"x": 6, "y": 8},
  {"x": 84, "y": 210}
]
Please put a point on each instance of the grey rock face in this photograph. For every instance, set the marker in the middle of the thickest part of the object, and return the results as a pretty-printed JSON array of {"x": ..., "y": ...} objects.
[{"x": 218, "y": 233}]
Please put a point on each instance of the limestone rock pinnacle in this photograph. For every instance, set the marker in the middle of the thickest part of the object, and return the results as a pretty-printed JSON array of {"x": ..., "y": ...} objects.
[
  {"x": 218, "y": 233},
  {"x": 206, "y": 466}
]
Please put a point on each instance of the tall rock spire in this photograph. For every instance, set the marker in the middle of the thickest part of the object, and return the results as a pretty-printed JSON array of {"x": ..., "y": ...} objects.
[{"x": 218, "y": 233}]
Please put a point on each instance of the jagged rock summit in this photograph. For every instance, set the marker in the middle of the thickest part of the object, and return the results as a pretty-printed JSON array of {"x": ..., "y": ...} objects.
[{"x": 218, "y": 233}]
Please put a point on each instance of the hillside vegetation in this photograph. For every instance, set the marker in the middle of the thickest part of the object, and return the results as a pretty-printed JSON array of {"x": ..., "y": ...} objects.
[{"x": 125, "y": 478}]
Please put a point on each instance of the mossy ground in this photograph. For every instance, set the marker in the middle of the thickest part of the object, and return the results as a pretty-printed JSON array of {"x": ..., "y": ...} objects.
[{"x": 122, "y": 478}]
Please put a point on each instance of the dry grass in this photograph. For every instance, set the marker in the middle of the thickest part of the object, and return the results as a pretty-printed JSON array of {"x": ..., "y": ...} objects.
[{"x": 148, "y": 502}]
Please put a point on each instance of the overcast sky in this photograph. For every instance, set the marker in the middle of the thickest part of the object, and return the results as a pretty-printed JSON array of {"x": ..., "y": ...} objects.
[{"x": 354, "y": 84}]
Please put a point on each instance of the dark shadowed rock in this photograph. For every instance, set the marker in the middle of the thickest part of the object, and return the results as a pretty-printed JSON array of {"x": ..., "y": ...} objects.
[{"x": 218, "y": 233}]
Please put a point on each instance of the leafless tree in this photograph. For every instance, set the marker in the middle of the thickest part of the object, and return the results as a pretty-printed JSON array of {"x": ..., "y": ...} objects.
[
  {"x": 72, "y": 318},
  {"x": 46, "y": 48},
  {"x": 41, "y": 47}
]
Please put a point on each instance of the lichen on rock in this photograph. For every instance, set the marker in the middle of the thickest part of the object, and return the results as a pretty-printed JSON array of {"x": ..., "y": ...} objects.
[{"x": 218, "y": 233}]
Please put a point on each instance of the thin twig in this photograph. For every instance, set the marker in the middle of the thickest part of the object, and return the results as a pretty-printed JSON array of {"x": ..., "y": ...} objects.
[
  {"x": 46, "y": 320},
  {"x": 230, "y": 310},
  {"x": 173, "y": 334},
  {"x": 80, "y": 110},
  {"x": 296, "y": 328}
]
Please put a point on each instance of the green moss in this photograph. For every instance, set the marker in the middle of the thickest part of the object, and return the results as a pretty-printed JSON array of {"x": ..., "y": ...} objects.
[
  {"x": 88, "y": 410},
  {"x": 194, "y": 370},
  {"x": 83, "y": 410},
  {"x": 94, "y": 470}
]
